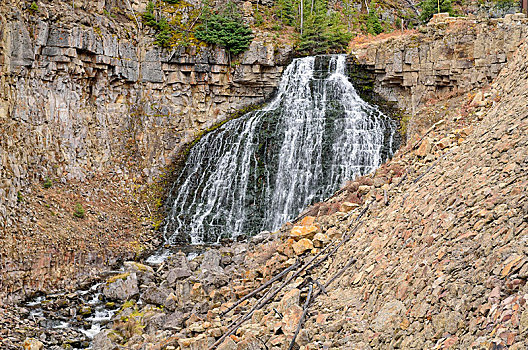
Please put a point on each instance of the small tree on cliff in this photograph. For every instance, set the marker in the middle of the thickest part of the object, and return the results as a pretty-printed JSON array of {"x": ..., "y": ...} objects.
[
  {"x": 430, "y": 7},
  {"x": 225, "y": 29}
]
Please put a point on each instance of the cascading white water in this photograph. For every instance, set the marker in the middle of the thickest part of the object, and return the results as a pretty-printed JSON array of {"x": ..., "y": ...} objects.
[{"x": 260, "y": 170}]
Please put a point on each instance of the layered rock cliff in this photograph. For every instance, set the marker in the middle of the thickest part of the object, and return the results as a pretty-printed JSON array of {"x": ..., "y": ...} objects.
[
  {"x": 450, "y": 56},
  {"x": 89, "y": 101}
]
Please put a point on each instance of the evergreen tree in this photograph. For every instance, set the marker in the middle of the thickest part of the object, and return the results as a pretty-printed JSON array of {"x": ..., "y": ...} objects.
[
  {"x": 430, "y": 7},
  {"x": 323, "y": 31},
  {"x": 373, "y": 24},
  {"x": 286, "y": 11},
  {"x": 225, "y": 29}
]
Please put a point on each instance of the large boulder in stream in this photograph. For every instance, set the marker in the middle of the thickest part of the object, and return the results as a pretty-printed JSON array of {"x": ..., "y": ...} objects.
[{"x": 122, "y": 287}]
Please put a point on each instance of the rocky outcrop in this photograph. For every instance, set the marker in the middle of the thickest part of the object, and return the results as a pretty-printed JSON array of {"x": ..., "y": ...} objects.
[
  {"x": 86, "y": 99},
  {"x": 452, "y": 55}
]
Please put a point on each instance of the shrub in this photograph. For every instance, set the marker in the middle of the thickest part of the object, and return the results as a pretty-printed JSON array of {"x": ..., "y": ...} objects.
[
  {"x": 430, "y": 7},
  {"x": 47, "y": 183},
  {"x": 79, "y": 211},
  {"x": 34, "y": 7},
  {"x": 225, "y": 29}
]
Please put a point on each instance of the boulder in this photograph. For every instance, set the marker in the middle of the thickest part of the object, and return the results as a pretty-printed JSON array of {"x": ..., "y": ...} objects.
[
  {"x": 155, "y": 295},
  {"x": 105, "y": 340},
  {"x": 299, "y": 232},
  {"x": 320, "y": 240},
  {"x": 302, "y": 246},
  {"x": 122, "y": 287}
]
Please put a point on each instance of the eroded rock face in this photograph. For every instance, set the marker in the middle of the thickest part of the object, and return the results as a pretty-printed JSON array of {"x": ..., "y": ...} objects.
[
  {"x": 86, "y": 96},
  {"x": 418, "y": 68}
]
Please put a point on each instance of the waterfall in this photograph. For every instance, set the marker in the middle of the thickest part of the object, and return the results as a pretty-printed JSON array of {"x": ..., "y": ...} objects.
[{"x": 258, "y": 171}]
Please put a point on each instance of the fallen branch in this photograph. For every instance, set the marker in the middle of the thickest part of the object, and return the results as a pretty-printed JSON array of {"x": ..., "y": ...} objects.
[
  {"x": 337, "y": 275},
  {"x": 266, "y": 298},
  {"x": 262, "y": 287},
  {"x": 305, "y": 310}
]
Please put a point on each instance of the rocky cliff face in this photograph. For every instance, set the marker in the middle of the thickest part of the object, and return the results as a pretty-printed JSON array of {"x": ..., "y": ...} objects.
[
  {"x": 91, "y": 107},
  {"x": 97, "y": 96},
  {"x": 449, "y": 57}
]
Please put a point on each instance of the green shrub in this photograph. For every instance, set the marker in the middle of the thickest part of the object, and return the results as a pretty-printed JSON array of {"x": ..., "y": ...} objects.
[
  {"x": 430, "y": 7},
  {"x": 323, "y": 32},
  {"x": 148, "y": 16},
  {"x": 34, "y": 7},
  {"x": 79, "y": 211},
  {"x": 373, "y": 23},
  {"x": 47, "y": 183},
  {"x": 225, "y": 29}
]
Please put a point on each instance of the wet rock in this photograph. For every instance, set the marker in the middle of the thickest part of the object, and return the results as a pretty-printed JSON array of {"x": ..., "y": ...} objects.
[{"x": 85, "y": 310}]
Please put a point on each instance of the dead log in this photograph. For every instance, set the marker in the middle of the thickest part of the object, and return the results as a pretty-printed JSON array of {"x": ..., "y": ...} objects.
[{"x": 305, "y": 310}]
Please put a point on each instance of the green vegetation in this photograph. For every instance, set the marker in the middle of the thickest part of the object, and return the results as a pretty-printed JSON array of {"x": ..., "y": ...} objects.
[
  {"x": 225, "y": 29},
  {"x": 34, "y": 7},
  {"x": 161, "y": 26},
  {"x": 323, "y": 31},
  {"x": 373, "y": 23},
  {"x": 79, "y": 211},
  {"x": 20, "y": 198},
  {"x": 430, "y": 7},
  {"x": 47, "y": 183}
]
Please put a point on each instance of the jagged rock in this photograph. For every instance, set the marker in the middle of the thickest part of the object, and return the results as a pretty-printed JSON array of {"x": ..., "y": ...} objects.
[
  {"x": 289, "y": 299},
  {"x": 123, "y": 288},
  {"x": 155, "y": 295},
  {"x": 175, "y": 320},
  {"x": 302, "y": 245},
  {"x": 228, "y": 344},
  {"x": 298, "y": 232},
  {"x": 320, "y": 240},
  {"x": 104, "y": 340},
  {"x": 348, "y": 206},
  {"x": 387, "y": 316},
  {"x": 178, "y": 273}
]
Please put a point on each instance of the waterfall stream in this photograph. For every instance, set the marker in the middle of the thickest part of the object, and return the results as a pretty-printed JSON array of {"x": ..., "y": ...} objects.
[{"x": 260, "y": 170}]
